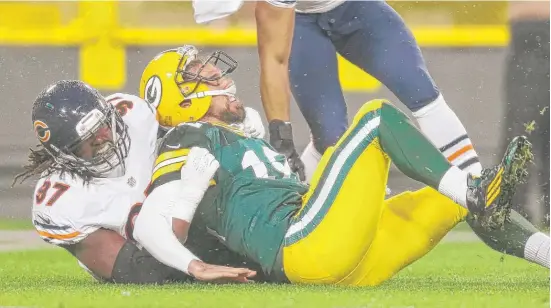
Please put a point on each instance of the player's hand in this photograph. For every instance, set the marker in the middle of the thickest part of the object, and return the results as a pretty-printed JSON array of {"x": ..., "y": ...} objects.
[
  {"x": 219, "y": 274},
  {"x": 199, "y": 168},
  {"x": 252, "y": 125},
  {"x": 281, "y": 138}
]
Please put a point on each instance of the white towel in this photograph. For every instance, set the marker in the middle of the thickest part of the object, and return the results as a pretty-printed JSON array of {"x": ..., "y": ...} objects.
[{"x": 208, "y": 10}]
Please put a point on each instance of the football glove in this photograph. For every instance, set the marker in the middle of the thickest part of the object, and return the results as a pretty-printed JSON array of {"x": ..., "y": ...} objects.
[{"x": 281, "y": 138}]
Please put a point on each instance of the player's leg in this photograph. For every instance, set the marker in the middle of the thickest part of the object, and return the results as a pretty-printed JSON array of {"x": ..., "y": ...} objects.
[
  {"x": 343, "y": 207},
  {"x": 518, "y": 238},
  {"x": 487, "y": 196},
  {"x": 437, "y": 114},
  {"x": 384, "y": 47},
  {"x": 515, "y": 232},
  {"x": 375, "y": 45},
  {"x": 334, "y": 229},
  {"x": 411, "y": 225},
  {"x": 316, "y": 87},
  {"x": 500, "y": 180}
]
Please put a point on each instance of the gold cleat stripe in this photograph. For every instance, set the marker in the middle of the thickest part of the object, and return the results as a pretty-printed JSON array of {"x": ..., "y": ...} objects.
[
  {"x": 491, "y": 198},
  {"x": 495, "y": 187},
  {"x": 496, "y": 180}
]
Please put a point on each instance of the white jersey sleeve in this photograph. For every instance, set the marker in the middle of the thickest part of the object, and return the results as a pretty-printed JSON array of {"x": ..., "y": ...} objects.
[
  {"x": 61, "y": 210},
  {"x": 283, "y": 3},
  {"x": 65, "y": 210}
]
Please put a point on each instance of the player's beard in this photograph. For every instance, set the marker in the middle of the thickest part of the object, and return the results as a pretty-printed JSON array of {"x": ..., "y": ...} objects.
[
  {"x": 232, "y": 114},
  {"x": 229, "y": 111},
  {"x": 233, "y": 117}
]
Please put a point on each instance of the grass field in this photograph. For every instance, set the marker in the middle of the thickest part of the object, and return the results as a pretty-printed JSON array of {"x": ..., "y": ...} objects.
[
  {"x": 15, "y": 224},
  {"x": 452, "y": 275}
]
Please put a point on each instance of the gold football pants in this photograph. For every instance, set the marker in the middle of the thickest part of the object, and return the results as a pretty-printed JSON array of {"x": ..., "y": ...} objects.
[{"x": 346, "y": 232}]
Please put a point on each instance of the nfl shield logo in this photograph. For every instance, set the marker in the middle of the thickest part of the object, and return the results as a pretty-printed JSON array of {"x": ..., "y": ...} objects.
[{"x": 131, "y": 181}]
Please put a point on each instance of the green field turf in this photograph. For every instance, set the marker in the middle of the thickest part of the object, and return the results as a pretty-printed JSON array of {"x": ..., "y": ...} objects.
[
  {"x": 452, "y": 275},
  {"x": 15, "y": 224}
]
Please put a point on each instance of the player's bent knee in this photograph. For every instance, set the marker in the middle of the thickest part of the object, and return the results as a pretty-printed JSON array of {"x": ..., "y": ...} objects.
[{"x": 368, "y": 107}]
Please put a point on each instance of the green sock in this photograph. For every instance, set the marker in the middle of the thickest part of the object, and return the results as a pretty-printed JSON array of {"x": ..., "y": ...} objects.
[
  {"x": 415, "y": 156},
  {"x": 511, "y": 239}
]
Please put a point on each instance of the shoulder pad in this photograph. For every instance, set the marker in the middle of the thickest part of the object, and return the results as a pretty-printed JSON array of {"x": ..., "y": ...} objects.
[
  {"x": 185, "y": 136},
  {"x": 126, "y": 103},
  {"x": 173, "y": 150}
]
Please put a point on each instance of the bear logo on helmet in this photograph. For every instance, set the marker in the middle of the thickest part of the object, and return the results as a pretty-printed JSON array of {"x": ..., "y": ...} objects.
[{"x": 42, "y": 131}]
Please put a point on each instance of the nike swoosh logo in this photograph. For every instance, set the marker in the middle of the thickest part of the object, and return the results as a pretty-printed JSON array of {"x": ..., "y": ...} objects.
[{"x": 44, "y": 220}]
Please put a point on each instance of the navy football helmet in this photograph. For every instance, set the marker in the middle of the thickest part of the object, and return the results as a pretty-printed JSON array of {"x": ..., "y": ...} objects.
[{"x": 66, "y": 115}]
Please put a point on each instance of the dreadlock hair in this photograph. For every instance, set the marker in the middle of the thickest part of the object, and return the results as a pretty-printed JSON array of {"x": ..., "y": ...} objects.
[{"x": 41, "y": 161}]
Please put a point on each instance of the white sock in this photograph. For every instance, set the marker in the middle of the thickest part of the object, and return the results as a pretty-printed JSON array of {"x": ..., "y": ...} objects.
[
  {"x": 444, "y": 129},
  {"x": 537, "y": 249},
  {"x": 310, "y": 157},
  {"x": 454, "y": 185}
]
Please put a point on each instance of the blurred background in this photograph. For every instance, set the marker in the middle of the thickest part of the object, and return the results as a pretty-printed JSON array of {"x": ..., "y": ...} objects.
[{"x": 489, "y": 58}]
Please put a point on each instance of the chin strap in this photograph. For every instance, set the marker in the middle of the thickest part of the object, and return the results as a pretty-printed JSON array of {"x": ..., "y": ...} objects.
[{"x": 231, "y": 91}]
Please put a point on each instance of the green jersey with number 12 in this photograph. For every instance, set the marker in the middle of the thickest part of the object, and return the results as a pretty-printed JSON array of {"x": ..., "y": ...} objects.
[{"x": 252, "y": 196}]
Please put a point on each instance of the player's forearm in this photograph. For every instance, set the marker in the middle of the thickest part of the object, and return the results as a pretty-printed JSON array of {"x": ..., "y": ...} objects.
[
  {"x": 153, "y": 226},
  {"x": 156, "y": 236},
  {"x": 274, "y": 89},
  {"x": 275, "y": 26},
  {"x": 180, "y": 228}
]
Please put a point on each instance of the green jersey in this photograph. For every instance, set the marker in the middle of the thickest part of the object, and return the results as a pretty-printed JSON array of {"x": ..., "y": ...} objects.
[{"x": 253, "y": 194}]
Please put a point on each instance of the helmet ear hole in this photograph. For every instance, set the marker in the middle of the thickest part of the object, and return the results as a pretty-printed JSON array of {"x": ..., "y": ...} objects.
[{"x": 185, "y": 103}]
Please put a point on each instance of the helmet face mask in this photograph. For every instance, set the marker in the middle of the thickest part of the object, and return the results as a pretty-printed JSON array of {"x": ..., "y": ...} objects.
[
  {"x": 74, "y": 115},
  {"x": 111, "y": 154},
  {"x": 185, "y": 78}
]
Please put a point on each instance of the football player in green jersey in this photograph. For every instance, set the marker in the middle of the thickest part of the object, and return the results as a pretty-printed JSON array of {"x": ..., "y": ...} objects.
[{"x": 338, "y": 230}]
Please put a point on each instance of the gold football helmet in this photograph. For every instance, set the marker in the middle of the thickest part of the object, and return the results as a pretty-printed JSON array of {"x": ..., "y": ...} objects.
[{"x": 179, "y": 94}]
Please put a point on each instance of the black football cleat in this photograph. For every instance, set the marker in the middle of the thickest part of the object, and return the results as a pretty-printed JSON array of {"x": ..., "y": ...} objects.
[{"x": 489, "y": 197}]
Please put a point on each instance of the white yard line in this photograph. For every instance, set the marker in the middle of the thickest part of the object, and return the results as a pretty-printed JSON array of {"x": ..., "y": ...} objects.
[
  {"x": 21, "y": 240},
  {"x": 461, "y": 237}
]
